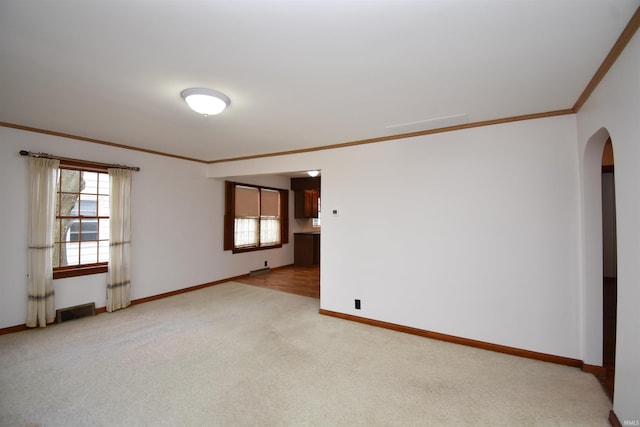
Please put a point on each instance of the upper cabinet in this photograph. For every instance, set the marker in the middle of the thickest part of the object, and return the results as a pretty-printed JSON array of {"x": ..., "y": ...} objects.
[
  {"x": 307, "y": 193},
  {"x": 306, "y": 203}
]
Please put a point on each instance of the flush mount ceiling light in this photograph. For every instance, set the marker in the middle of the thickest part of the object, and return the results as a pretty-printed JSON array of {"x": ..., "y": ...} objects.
[
  {"x": 207, "y": 102},
  {"x": 313, "y": 174}
]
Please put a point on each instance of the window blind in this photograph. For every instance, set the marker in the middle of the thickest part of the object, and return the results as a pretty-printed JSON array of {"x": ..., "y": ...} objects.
[
  {"x": 247, "y": 202},
  {"x": 270, "y": 203}
]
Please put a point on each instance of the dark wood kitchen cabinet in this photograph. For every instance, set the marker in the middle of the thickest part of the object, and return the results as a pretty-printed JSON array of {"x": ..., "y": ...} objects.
[
  {"x": 306, "y": 203},
  {"x": 306, "y": 249}
]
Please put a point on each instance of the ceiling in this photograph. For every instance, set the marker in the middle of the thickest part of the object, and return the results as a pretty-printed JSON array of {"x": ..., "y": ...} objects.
[{"x": 300, "y": 73}]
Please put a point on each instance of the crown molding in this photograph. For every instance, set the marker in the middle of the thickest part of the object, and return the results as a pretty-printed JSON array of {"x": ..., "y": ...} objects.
[
  {"x": 610, "y": 59},
  {"x": 620, "y": 44},
  {"x": 402, "y": 136},
  {"x": 96, "y": 141}
]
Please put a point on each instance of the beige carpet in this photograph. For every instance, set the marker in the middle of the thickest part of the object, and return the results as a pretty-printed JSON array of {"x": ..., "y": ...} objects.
[{"x": 238, "y": 355}]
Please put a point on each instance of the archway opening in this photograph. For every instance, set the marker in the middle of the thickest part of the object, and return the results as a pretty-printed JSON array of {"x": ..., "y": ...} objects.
[
  {"x": 609, "y": 267},
  {"x": 599, "y": 257}
]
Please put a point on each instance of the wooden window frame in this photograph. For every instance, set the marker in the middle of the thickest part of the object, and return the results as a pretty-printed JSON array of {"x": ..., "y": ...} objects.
[
  {"x": 229, "y": 218},
  {"x": 80, "y": 269}
]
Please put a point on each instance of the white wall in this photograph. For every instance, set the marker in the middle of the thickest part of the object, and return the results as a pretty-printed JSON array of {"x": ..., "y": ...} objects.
[
  {"x": 615, "y": 106},
  {"x": 176, "y": 218},
  {"x": 472, "y": 233}
]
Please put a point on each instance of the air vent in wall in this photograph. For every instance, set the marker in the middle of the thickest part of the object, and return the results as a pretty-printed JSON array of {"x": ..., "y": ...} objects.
[
  {"x": 260, "y": 271},
  {"x": 436, "y": 123},
  {"x": 75, "y": 312}
]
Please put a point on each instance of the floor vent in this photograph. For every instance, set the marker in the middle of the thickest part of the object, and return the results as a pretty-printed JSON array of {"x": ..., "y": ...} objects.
[
  {"x": 76, "y": 312},
  {"x": 259, "y": 272}
]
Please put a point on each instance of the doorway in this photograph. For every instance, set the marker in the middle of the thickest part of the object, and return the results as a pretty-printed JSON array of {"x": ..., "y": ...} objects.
[{"x": 609, "y": 268}]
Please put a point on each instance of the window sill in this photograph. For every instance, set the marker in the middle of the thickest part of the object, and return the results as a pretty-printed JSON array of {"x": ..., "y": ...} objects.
[
  {"x": 261, "y": 248},
  {"x": 82, "y": 270}
]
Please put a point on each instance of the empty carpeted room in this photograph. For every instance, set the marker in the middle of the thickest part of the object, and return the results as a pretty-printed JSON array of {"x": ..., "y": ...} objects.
[{"x": 393, "y": 213}]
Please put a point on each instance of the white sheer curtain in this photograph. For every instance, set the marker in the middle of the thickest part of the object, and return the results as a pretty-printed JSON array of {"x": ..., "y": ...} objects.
[
  {"x": 118, "y": 279},
  {"x": 245, "y": 232},
  {"x": 42, "y": 204},
  {"x": 269, "y": 231}
]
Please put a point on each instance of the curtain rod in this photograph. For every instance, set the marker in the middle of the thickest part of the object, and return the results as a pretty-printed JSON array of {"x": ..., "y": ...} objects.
[{"x": 51, "y": 156}]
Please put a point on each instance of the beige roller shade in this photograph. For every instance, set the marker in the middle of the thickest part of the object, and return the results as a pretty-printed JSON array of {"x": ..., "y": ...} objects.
[
  {"x": 247, "y": 201},
  {"x": 270, "y": 202}
]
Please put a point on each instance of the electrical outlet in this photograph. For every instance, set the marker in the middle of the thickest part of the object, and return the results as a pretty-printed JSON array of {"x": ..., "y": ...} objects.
[
  {"x": 266, "y": 264},
  {"x": 357, "y": 304}
]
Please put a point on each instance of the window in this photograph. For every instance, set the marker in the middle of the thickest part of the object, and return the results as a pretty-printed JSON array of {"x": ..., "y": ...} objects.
[
  {"x": 269, "y": 217},
  {"x": 81, "y": 236},
  {"x": 316, "y": 221},
  {"x": 255, "y": 217}
]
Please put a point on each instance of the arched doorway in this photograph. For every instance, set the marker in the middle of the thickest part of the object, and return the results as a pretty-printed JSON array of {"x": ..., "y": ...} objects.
[
  {"x": 600, "y": 256},
  {"x": 609, "y": 267}
]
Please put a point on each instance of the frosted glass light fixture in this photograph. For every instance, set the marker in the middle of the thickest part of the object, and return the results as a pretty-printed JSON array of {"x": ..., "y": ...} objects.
[
  {"x": 313, "y": 174},
  {"x": 207, "y": 102}
]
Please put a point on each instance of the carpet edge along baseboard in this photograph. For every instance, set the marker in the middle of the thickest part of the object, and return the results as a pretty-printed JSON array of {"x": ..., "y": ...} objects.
[{"x": 561, "y": 360}]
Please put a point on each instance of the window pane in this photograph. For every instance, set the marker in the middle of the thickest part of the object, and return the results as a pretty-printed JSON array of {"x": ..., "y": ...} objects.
[
  {"x": 269, "y": 231},
  {"x": 246, "y": 232},
  {"x": 66, "y": 230},
  {"x": 88, "y": 252},
  {"x": 83, "y": 229},
  {"x": 73, "y": 234},
  {"x": 88, "y": 205},
  {"x": 74, "y": 208},
  {"x": 69, "y": 254},
  {"x": 90, "y": 182},
  {"x": 103, "y": 229},
  {"x": 103, "y": 205},
  {"x": 103, "y": 184},
  {"x": 103, "y": 251},
  {"x": 70, "y": 181},
  {"x": 89, "y": 229}
]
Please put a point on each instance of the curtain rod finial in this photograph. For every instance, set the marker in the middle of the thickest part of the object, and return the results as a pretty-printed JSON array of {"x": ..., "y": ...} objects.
[{"x": 24, "y": 153}]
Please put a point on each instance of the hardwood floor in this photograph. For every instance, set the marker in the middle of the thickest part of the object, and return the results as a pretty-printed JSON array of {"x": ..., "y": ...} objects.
[{"x": 303, "y": 281}]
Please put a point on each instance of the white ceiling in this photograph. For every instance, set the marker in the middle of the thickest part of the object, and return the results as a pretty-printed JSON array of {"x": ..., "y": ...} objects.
[{"x": 300, "y": 73}]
